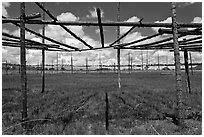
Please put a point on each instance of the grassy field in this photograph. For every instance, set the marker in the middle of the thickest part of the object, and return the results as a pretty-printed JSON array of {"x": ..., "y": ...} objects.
[{"x": 75, "y": 104}]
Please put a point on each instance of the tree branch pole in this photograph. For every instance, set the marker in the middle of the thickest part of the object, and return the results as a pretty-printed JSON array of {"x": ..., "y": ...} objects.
[
  {"x": 110, "y": 23},
  {"x": 23, "y": 65},
  {"x": 100, "y": 26},
  {"x": 191, "y": 63},
  {"x": 43, "y": 54},
  {"x": 187, "y": 71},
  {"x": 118, "y": 50},
  {"x": 179, "y": 92},
  {"x": 65, "y": 28}
]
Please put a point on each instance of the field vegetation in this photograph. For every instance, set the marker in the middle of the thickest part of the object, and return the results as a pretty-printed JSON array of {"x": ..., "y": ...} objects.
[{"x": 75, "y": 104}]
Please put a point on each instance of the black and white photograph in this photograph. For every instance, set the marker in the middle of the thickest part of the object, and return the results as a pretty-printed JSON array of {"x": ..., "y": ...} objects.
[{"x": 101, "y": 68}]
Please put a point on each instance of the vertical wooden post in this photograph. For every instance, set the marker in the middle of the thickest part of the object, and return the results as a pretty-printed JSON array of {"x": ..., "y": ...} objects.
[
  {"x": 114, "y": 68},
  {"x": 57, "y": 62},
  {"x": 158, "y": 63},
  {"x": 191, "y": 63},
  {"x": 62, "y": 66},
  {"x": 131, "y": 59},
  {"x": 87, "y": 65},
  {"x": 52, "y": 66},
  {"x": 23, "y": 64},
  {"x": 72, "y": 64},
  {"x": 142, "y": 59},
  {"x": 179, "y": 109},
  {"x": 6, "y": 67},
  {"x": 43, "y": 54},
  {"x": 129, "y": 62},
  {"x": 118, "y": 50},
  {"x": 187, "y": 71},
  {"x": 147, "y": 62},
  {"x": 107, "y": 111}
]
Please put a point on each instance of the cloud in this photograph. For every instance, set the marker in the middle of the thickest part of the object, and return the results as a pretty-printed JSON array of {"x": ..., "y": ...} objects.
[
  {"x": 93, "y": 13},
  {"x": 183, "y": 4},
  {"x": 197, "y": 20},
  {"x": 168, "y": 20},
  {"x": 4, "y": 6},
  {"x": 132, "y": 19}
]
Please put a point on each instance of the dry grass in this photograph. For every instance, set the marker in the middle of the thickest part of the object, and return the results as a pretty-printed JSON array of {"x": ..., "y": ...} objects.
[{"x": 68, "y": 110}]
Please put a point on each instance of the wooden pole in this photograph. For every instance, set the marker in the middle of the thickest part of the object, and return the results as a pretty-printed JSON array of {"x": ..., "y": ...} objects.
[
  {"x": 147, "y": 60},
  {"x": 52, "y": 67},
  {"x": 191, "y": 63},
  {"x": 43, "y": 55},
  {"x": 118, "y": 50},
  {"x": 23, "y": 65},
  {"x": 158, "y": 63},
  {"x": 179, "y": 109},
  {"x": 187, "y": 71},
  {"x": 110, "y": 23},
  {"x": 6, "y": 67},
  {"x": 107, "y": 111},
  {"x": 72, "y": 69},
  {"x": 57, "y": 62},
  {"x": 87, "y": 65},
  {"x": 142, "y": 59},
  {"x": 129, "y": 62},
  {"x": 114, "y": 67},
  {"x": 65, "y": 28},
  {"x": 100, "y": 26}
]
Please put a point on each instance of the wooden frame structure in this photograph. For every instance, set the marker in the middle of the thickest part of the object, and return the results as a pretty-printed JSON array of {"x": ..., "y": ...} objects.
[{"x": 176, "y": 29}]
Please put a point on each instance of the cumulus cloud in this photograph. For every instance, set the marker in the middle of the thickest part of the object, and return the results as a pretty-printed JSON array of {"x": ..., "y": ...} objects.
[
  {"x": 4, "y": 6},
  {"x": 168, "y": 20},
  {"x": 197, "y": 20},
  {"x": 93, "y": 13},
  {"x": 183, "y": 4},
  {"x": 132, "y": 19}
]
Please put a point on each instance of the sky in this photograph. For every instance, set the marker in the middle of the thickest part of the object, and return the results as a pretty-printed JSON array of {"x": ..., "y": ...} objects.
[{"x": 187, "y": 12}]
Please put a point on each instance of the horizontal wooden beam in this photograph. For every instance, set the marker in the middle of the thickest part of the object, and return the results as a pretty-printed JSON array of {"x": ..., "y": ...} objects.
[
  {"x": 47, "y": 38},
  {"x": 137, "y": 41},
  {"x": 61, "y": 25},
  {"x": 157, "y": 42},
  {"x": 74, "y": 23},
  {"x": 180, "y": 31},
  {"x": 18, "y": 45},
  {"x": 28, "y": 40}
]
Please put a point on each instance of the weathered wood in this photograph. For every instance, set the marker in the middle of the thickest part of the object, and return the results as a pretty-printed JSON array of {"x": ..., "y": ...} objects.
[
  {"x": 49, "y": 39},
  {"x": 189, "y": 32},
  {"x": 43, "y": 55},
  {"x": 158, "y": 62},
  {"x": 72, "y": 67},
  {"x": 23, "y": 66},
  {"x": 100, "y": 26},
  {"x": 191, "y": 63},
  {"x": 110, "y": 23},
  {"x": 179, "y": 109},
  {"x": 187, "y": 70},
  {"x": 118, "y": 50},
  {"x": 30, "y": 41},
  {"x": 65, "y": 28},
  {"x": 129, "y": 62},
  {"x": 107, "y": 112},
  {"x": 87, "y": 67},
  {"x": 142, "y": 60},
  {"x": 157, "y": 42},
  {"x": 170, "y": 44}
]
